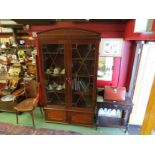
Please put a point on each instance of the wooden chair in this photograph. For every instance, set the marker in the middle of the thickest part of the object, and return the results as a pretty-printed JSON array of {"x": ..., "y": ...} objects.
[{"x": 31, "y": 101}]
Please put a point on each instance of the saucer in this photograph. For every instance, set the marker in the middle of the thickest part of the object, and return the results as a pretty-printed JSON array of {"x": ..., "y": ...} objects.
[{"x": 59, "y": 87}]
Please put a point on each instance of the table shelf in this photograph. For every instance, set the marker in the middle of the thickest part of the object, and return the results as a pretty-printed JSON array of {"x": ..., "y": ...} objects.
[{"x": 122, "y": 122}]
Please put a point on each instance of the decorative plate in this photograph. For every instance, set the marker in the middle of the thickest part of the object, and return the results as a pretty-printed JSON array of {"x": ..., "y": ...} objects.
[{"x": 7, "y": 98}]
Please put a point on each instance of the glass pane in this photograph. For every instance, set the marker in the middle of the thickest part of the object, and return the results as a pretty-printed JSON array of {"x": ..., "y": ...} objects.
[
  {"x": 54, "y": 73},
  {"x": 105, "y": 68},
  {"x": 83, "y": 65}
]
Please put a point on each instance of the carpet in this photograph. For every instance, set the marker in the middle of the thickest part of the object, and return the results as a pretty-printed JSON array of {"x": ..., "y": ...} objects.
[
  {"x": 134, "y": 129},
  {"x": 11, "y": 129}
]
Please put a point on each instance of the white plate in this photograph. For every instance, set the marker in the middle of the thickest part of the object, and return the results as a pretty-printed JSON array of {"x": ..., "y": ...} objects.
[{"x": 7, "y": 98}]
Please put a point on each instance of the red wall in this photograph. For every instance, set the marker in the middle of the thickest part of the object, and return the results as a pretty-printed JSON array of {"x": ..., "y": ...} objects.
[
  {"x": 126, "y": 64},
  {"x": 27, "y": 41},
  {"x": 107, "y": 30},
  {"x": 122, "y": 67},
  {"x": 130, "y": 63}
]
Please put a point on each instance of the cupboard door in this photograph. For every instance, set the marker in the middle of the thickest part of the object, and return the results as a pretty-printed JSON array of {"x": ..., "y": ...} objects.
[
  {"x": 55, "y": 115},
  {"x": 54, "y": 70},
  {"x": 82, "y": 118},
  {"x": 83, "y": 74}
]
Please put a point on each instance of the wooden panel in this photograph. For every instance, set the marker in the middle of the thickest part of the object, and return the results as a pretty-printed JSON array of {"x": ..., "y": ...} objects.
[
  {"x": 149, "y": 119},
  {"x": 143, "y": 84},
  {"x": 55, "y": 115},
  {"x": 68, "y": 32},
  {"x": 81, "y": 118}
]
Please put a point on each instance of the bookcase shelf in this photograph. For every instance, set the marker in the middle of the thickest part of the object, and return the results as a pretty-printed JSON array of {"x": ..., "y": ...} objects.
[{"x": 75, "y": 51}]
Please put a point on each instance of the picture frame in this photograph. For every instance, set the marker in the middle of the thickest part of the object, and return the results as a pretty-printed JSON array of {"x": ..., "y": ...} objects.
[{"x": 111, "y": 47}]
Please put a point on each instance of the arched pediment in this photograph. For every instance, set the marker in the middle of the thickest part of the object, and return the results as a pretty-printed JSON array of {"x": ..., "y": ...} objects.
[{"x": 68, "y": 33}]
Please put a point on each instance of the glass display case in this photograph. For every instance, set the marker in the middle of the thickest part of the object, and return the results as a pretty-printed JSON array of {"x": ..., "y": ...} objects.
[
  {"x": 69, "y": 59},
  {"x": 54, "y": 71},
  {"x": 83, "y": 60}
]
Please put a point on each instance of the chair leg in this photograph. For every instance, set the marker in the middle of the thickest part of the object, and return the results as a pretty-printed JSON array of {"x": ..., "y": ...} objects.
[
  {"x": 32, "y": 118},
  {"x": 41, "y": 111},
  {"x": 17, "y": 117}
]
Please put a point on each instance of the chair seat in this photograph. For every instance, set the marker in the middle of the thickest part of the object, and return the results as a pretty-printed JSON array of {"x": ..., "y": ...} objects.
[{"x": 25, "y": 105}]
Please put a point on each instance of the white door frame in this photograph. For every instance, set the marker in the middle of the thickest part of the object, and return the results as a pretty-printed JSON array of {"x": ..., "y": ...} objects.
[{"x": 143, "y": 83}]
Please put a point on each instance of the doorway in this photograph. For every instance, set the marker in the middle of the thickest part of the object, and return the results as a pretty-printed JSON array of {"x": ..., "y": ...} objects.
[{"x": 145, "y": 75}]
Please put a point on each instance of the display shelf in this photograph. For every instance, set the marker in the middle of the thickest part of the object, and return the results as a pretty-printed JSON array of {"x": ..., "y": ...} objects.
[
  {"x": 53, "y": 53},
  {"x": 122, "y": 122},
  {"x": 82, "y": 105},
  {"x": 55, "y": 75},
  {"x": 17, "y": 47},
  {"x": 109, "y": 121},
  {"x": 55, "y": 91},
  {"x": 56, "y": 103},
  {"x": 82, "y": 92},
  {"x": 83, "y": 59},
  {"x": 82, "y": 75},
  {"x": 76, "y": 54},
  {"x": 18, "y": 72}
]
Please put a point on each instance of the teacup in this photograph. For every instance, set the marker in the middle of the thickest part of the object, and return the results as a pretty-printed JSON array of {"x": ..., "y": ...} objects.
[
  {"x": 63, "y": 71},
  {"x": 59, "y": 87},
  {"x": 49, "y": 87},
  {"x": 56, "y": 70},
  {"x": 48, "y": 70},
  {"x": 63, "y": 86},
  {"x": 54, "y": 84}
]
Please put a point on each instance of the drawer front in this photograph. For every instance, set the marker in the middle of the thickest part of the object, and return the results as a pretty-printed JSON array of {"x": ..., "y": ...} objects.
[
  {"x": 55, "y": 115},
  {"x": 82, "y": 118}
]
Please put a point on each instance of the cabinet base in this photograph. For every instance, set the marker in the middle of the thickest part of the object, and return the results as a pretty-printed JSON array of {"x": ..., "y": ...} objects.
[{"x": 64, "y": 116}]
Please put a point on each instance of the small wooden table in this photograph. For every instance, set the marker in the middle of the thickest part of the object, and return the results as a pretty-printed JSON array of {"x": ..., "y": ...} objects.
[{"x": 125, "y": 106}]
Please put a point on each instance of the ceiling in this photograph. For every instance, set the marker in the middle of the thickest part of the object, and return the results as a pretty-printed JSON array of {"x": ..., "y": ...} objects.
[
  {"x": 17, "y": 24},
  {"x": 53, "y": 21}
]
